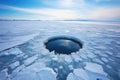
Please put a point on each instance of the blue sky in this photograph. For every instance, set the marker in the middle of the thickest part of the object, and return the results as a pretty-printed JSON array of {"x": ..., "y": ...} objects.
[{"x": 60, "y": 9}]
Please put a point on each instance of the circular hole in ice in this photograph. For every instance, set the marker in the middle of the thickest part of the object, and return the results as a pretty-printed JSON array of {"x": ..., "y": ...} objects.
[
  {"x": 98, "y": 79},
  {"x": 63, "y": 44}
]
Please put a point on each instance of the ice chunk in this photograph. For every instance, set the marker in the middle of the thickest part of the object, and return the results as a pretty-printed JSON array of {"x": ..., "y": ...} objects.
[
  {"x": 108, "y": 52},
  {"x": 26, "y": 75},
  {"x": 93, "y": 67},
  {"x": 68, "y": 59},
  {"x": 108, "y": 66},
  {"x": 82, "y": 55},
  {"x": 3, "y": 75},
  {"x": 14, "y": 41},
  {"x": 36, "y": 66},
  {"x": 4, "y": 53},
  {"x": 80, "y": 74},
  {"x": 104, "y": 55},
  {"x": 71, "y": 76},
  {"x": 30, "y": 60},
  {"x": 17, "y": 70},
  {"x": 71, "y": 67},
  {"x": 55, "y": 58},
  {"x": 91, "y": 55},
  {"x": 104, "y": 59},
  {"x": 96, "y": 76},
  {"x": 60, "y": 67},
  {"x": 43, "y": 74},
  {"x": 14, "y": 50},
  {"x": 76, "y": 57},
  {"x": 15, "y": 64},
  {"x": 46, "y": 74},
  {"x": 98, "y": 61}
]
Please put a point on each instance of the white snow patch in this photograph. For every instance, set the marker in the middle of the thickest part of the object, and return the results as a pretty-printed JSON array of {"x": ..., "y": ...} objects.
[{"x": 93, "y": 67}]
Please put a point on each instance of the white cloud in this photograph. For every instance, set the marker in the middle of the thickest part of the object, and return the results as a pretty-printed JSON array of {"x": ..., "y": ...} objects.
[
  {"x": 105, "y": 13},
  {"x": 53, "y": 13},
  {"x": 71, "y": 3},
  {"x": 64, "y": 3},
  {"x": 101, "y": 13}
]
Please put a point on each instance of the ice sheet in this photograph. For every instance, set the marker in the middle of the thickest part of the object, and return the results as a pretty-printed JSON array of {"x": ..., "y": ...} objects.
[{"x": 99, "y": 57}]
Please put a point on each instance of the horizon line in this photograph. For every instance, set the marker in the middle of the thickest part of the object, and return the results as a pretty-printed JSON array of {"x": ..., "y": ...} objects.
[{"x": 59, "y": 20}]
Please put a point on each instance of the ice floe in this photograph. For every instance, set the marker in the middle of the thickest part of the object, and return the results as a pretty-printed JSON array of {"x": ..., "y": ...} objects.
[
  {"x": 17, "y": 41},
  {"x": 14, "y": 51},
  {"x": 15, "y": 64},
  {"x": 43, "y": 74},
  {"x": 81, "y": 74},
  {"x": 46, "y": 74},
  {"x": 93, "y": 67},
  {"x": 30, "y": 60}
]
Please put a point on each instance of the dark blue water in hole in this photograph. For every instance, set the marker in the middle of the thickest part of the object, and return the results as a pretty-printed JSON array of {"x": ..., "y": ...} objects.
[{"x": 63, "y": 45}]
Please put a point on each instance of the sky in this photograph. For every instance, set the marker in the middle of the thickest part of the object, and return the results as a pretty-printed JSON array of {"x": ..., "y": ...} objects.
[{"x": 60, "y": 9}]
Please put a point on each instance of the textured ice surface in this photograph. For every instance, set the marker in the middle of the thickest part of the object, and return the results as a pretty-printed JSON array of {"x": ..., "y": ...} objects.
[
  {"x": 80, "y": 74},
  {"x": 23, "y": 55},
  {"x": 93, "y": 67},
  {"x": 46, "y": 74},
  {"x": 3, "y": 75},
  {"x": 43, "y": 74},
  {"x": 13, "y": 41}
]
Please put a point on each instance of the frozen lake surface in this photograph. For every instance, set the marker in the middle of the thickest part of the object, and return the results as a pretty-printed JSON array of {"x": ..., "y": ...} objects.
[{"x": 23, "y": 55}]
